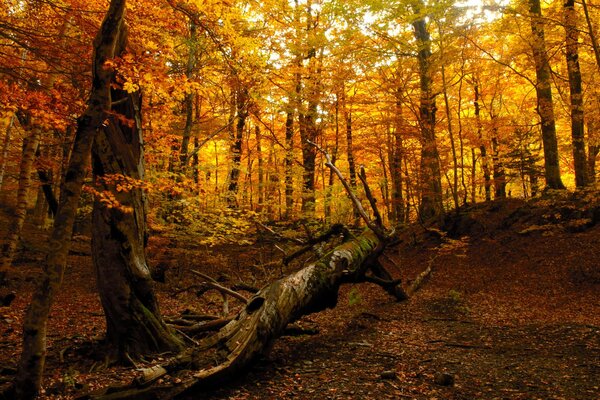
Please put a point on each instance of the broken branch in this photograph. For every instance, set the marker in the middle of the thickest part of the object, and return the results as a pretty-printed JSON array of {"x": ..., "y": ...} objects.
[
  {"x": 376, "y": 229},
  {"x": 210, "y": 281}
]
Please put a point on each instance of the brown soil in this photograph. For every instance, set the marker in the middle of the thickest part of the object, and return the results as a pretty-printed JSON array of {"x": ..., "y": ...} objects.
[{"x": 511, "y": 311}]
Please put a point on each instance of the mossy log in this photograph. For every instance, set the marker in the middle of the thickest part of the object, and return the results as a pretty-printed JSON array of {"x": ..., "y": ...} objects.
[{"x": 252, "y": 332}]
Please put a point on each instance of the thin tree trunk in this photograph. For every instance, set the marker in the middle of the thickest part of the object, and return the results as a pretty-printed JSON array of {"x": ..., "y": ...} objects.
[
  {"x": 591, "y": 33},
  {"x": 261, "y": 172},
  {"x": 474, "y": 176},
  {"x": 189, "y": 98},
  {"x": 241, "y": 106},
  {"x": 454, "y": 187},
  {"x": 328, "y": 193},
  {"x": 20, "y": 212},
  {"x": 289, "y": 164},
  {"x": 593, "y": 150},
  {"x": 498, "y": 168},
  {"x": 545, "y": 106},
  {"x": 482, "y": 149},
  {"x": 577, "y": 112},
  {"x": 308, "y": 118},
  {"x": 350, "y": 150},
  {"x": 396, "y": 158},
  {"x": 33, "y": 356}
]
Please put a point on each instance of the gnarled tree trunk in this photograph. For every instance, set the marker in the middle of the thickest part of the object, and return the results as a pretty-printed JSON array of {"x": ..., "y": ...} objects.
[{"x": 134, "y": 324}]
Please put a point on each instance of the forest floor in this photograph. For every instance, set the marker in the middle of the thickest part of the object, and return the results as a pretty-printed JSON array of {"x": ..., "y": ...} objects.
[{"x": 511, "y": 311}]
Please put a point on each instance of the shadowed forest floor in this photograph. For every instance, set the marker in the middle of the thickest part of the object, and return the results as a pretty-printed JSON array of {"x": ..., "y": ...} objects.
[{"x": 511, "y": 311}]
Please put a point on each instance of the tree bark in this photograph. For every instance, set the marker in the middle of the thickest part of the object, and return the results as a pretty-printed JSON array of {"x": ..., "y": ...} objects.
[
  {"x": 577, "y": 111},
  {"x": 31, "y": 364},
  {"x": 482, "y": 148},
  {"x": 431, "y": 182},
  {"x": 308, "y": 117},
  {"x": 498, "y": 168},
  {"x": 189, "y": 98},
  {"x": 289, "y": 163},
  {"x": 241, "y": 113},
  {"x": 350, "y": 148},
  {"x": 395, "y": 158},
  {"x": 545, "y": 106},
  {"x": 134, "y": 324},
  {"x": 5, "y": 144},
  {"x": 18, "y": 216}
]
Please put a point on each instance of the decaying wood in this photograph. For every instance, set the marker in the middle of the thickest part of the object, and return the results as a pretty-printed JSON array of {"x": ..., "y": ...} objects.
[
  {"x": 334, "y": 230},
  {"x": 265, "y": 317}
]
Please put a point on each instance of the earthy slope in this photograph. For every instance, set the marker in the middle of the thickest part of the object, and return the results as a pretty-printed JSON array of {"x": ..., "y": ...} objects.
[{"x": 511, "y": 311}]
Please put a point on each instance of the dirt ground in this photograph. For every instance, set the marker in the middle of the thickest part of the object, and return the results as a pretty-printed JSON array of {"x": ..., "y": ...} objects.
[{"x": 511, "y": 311}]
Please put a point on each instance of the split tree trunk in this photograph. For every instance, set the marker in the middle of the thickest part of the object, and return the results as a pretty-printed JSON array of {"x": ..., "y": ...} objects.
[{"x": 134, "y": 324}]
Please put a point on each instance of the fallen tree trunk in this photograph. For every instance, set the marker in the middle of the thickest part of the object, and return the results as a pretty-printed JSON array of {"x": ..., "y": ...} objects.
[{"x": 251, "y": 333}]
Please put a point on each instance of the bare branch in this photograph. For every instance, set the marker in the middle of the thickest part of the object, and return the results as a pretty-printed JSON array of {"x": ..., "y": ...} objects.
[
  {"x": 372, "y": 201},
  {"x": 376, "y": 229},
  {"x": 210, "y": 281}
]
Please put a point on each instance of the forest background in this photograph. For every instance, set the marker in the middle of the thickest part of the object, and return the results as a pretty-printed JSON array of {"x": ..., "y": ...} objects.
[{"x": 224, "y": 115}]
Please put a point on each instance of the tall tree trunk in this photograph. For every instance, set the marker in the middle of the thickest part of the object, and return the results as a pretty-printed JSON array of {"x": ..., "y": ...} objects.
[
  {"x": 498, "y": 168},
  {"x": 33, "y": 356},
  {"x": 189, "y": 98},
  {"x": 545, "y": 106},
  {"x": 18, "y": 216},
  {"x": 289, "y": 163},
  {"x": 454, "y": 187},
  {"x": 473, "y": 176},
  {"x": 308, "y": 132},
  {"x": 241, "y": 106},
  {"x": 261, "y": 171},
  {"x": 308, "y": 116},
  {"x": 350, "y": 150},
  {"x": 482, "y": 149},
  {"x": 593, "y": 150},
  {"x": 396, "y": 156},
  {"x": 577, "y": 112},
  {"x": 593, "y": 38},
  {"x": 329, "y": 189},
  {"x": 430, "y": 181}
]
